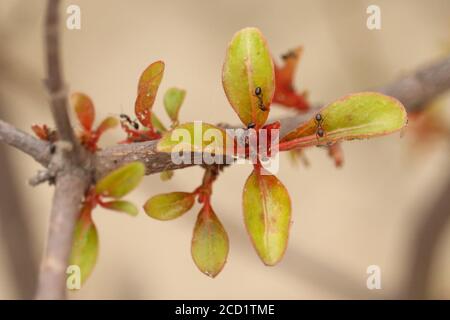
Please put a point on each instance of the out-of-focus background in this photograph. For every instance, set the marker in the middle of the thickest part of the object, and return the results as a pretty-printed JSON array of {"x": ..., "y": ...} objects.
[{"x": 367, "y": 213}]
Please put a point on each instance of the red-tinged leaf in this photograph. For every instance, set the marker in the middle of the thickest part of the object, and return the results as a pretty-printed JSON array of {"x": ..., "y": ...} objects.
[
  {"x": 45, "y": 133},
  {"x": 336, "y": 153},
  {"x": 121, "y": 181},
  {"x": 85, "y": 245},
  {"x": 121, "y": 206},
  {"x": 84, "y": 109},
  {"x": 356, "y": 116},
  {"x": 209, "y": 246},
  {"x": 147, "y": 88},
  {"x": 248, "y": 66},
  {"x": 169, "y": 206},
  {"x": 106, "y": 124},
  {"x": 267, "y": 215},
  {"x": 286, "y": 73},
  {"x": 40, "y": 131},
  {"x": 285, "y": 93}
]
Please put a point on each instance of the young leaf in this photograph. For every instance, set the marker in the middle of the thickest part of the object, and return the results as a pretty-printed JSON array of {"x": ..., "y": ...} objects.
[
  {"x": 267, "y": 215},
  {"x": 106, "y": 124},
  {"x": 157, "y": 124},
  {"x": 173, "y": 99},
  {"x": 285, "y": 93},
  {"x": 85, "y": 246},
  {"x": 209, "y": 246},
  {"x": 147, "y": 89},
  {"x": 166, "y": 175},
  {"x": 356, "y": 116},
  {"x": 44, "y": 133},
  {"x": 169, "y": 206},
  {"x": 122, "y": 206},
  {"x": 121, "y": 181},
  {"x": 195, "y": 137},
  {"x": 84, "y": 109},
  {"x": 248, "y": 65}
]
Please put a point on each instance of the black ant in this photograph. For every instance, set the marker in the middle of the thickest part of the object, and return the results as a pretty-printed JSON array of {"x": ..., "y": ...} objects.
[
  {"x": 131, "y": 122},
  {"x": 319, "y": 120},
  {"x": 259, "y": 95}
]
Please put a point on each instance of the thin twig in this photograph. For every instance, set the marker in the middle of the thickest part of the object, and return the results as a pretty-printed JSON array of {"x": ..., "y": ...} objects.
[{"x": 416, "y": 89}]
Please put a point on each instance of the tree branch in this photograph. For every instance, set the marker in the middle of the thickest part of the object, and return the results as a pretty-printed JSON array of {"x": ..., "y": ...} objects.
[
  {"x": 72, "y": 172},
  {"x": 418, "y": 88},
  {"x": 38, "y": 149},
  {"x": 69, "y": 190},
  {"x": 413, "y": 90}
]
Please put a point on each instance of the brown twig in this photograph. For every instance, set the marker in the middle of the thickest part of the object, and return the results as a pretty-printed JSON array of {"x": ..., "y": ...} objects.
[
  {"x": 424, "y": 84},
  {"x": 416, "y": 89},
  {"x": 71, "y": 166},
  {"x": 38, "y": 149}
]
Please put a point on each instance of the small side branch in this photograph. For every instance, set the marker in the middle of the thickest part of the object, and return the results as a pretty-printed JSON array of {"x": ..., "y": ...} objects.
[
  {"x": 416, "y": 89},
  {"x": 38, "y": 149}
]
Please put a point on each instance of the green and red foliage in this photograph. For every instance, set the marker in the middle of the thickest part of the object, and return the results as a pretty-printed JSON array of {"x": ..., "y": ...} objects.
[
  {"x": 43, "y": 132},
  {"x": 106, "y": 193},
  {"x": 148, "y": 85},
  {"x": 85, "y": 112},
  {"x": 251, "y": 83},
  {"x": 285, "y": 93},
  {"x": 209, "y": 246}
]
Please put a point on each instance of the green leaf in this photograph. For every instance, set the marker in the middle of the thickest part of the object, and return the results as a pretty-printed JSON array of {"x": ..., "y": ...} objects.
[
  {"x": 195, "y": 137},
  {"x": 121, "y": 181},
  {"x": 248, "y": 65},
  {"x": 84, "y": 109},
  {"x": 173, "y": 99},
  {"x": 356, "y": 116},
  {"x": 267, "y": 216},
  {"x": 157, "y": 124},
  {"x": 209, "y": 246},
  {"x": 85, "y": 246},
  {"x": 166, "y": 175},
  {"x": 169, "y": 206},
  {"x": 106, "y": 124},
  {"x": 147, "y": 88},
  {"x": 122, "y": 206}
]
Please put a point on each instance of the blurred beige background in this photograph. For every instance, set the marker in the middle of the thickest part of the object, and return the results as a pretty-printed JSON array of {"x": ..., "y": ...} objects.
[{"x": 344, "y": 219}]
